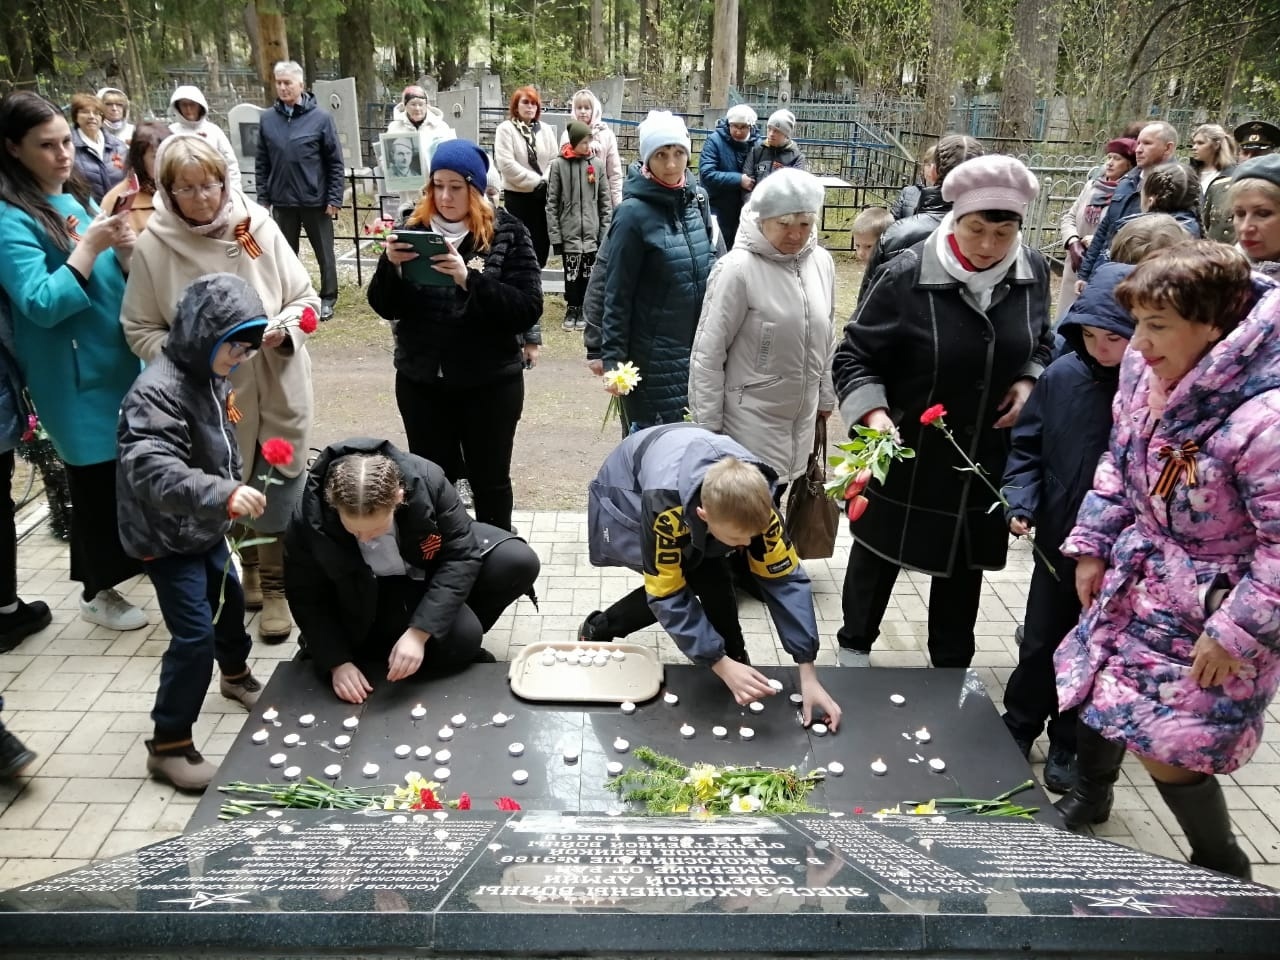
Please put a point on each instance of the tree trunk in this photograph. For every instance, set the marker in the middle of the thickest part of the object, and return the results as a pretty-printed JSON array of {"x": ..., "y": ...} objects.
[
  {"x": 650, "y": 43},
  {"x": 273, "y": 45},
  {"x": 724, "y": 51},
  {"x": 249, "y": 16},
  {"x": 137, "y": 76},
  {"x": 742, "y": 46},
  {"x": 597, "y": 34},
  {"x": 355, "y": 49},
  {"x": 944, "y": 29},
  {"x": 309, "y": 47},
  {"x": 1031, "y": 66}
]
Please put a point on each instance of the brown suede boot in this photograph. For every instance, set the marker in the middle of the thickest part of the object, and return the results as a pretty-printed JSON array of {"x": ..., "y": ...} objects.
[
  {"x": 250, "y": 581},
  {"x": 180, "y": 764},
  {"x": 274, "y": 623}
]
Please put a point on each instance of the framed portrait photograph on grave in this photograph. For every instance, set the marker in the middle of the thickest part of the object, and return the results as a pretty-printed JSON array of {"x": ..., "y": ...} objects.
[
  {"x": 249, "y": 139},
  {"x": 401, "y": 162}
]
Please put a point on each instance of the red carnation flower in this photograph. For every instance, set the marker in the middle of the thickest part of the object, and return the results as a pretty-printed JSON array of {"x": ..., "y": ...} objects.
[
  {"x": 307, "y": 323},
  {"x": 936, "y": 412},
  {"x": 506, "y": 803},
  {"x": 427, "y": 801},
  {"x": 464, "y": 801},
  {"x": 277, "y": 452},
  {"x": 857, "y": 810}
]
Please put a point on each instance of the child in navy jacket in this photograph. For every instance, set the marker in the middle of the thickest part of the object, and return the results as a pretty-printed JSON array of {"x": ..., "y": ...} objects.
[{"x": 1057, "y": 442}]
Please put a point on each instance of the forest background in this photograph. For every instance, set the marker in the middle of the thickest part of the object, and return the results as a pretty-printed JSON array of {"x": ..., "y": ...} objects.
[{"x": 1109, "y": 60}]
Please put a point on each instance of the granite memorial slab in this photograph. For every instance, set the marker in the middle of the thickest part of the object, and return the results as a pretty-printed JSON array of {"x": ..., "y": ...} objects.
[
  {"x": 339, "y": 98},
  {"x": 365, "y": 883},
  {"x": 567, "y": 747}
]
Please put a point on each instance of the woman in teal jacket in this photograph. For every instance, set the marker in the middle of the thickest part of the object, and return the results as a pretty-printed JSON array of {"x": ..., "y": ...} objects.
[
  {"x": 64, "y": 278},
  {"x": 660, "y": 255}
]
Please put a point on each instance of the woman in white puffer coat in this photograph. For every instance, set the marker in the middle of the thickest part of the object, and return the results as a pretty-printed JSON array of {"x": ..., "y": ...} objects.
[{"x": 761, "y": 365}]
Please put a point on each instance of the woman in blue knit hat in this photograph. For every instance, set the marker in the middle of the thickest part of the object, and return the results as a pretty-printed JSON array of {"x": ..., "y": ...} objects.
[{"x": 461, "y": 348}]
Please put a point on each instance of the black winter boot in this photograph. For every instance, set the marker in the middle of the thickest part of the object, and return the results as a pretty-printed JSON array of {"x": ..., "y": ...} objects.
[
  {"x": 1097, "y": 769},
  {"x": 1201, "y": 809}
]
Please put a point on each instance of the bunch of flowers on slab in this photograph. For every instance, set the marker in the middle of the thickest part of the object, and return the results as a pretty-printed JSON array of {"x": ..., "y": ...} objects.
[
  {"x": 665, "y": 785},
  {"x": 418, "y": 793}
]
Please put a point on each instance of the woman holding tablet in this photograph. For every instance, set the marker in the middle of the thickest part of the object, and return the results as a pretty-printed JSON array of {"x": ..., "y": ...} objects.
[{"x": 461, "y": 348}]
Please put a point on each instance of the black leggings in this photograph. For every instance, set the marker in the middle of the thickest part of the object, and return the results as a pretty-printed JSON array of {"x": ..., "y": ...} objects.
[
  {"x": 8, "y": 533},
  {"x": 467, "y": 431},
  {"x": 508, "y": 572}
]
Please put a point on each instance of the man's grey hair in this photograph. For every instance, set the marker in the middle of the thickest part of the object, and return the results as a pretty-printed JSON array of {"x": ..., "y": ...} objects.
[
  {"x": 288, "y": 68},
  {"x": 1167, "y": 131}
]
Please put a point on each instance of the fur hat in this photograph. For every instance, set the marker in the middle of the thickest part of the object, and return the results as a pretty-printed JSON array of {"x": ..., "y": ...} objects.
[
  {"x": 783, "y": 120},
  {"x": 578, "y": 131},
  {"x": 661, "y": 128},
  {"x": 787, "y": 191},
  {"x": 463, "y": 158},
  {"x": 991, "y": 182},
  {"x": 741, "y": 113}
]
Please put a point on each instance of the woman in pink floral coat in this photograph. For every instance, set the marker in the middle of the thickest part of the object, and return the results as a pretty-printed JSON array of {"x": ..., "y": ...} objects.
[{"x": 1178, "y": 548}]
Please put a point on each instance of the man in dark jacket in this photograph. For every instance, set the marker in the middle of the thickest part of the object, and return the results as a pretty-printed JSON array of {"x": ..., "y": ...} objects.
[
  {"x": 300, "y": 173},
  {"x": 1057, "y": 442},
  {"x": 1157, "y": 144},
  {"x": 951, "y": 151},
  {"x": 672, "y": 502},
  {"x": 178, "y": 490},
  {"x": 775, "y": 151},
  {"x": 720, "y": 167}
]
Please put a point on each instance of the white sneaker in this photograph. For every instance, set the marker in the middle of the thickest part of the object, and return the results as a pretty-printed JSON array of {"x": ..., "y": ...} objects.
[
  {"x": 853, "y": 658},
  {"x": 109, "y": 609}
]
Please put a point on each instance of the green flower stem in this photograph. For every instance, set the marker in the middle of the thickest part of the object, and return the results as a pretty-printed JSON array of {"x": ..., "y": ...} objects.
[{"x": 977, "y": 470}]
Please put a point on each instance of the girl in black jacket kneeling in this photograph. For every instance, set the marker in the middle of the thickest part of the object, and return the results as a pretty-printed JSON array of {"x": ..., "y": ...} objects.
[
  {"x": 387, "y": 572},
  {"x": 462, "y": 348}
]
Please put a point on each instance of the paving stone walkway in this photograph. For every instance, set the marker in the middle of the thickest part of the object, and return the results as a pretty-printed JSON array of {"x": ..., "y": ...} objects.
[{"x": 80, "y": 695}]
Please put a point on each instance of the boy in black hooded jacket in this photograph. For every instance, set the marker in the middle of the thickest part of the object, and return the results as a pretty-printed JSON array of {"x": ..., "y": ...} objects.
[{"x": 178, "y": 490}]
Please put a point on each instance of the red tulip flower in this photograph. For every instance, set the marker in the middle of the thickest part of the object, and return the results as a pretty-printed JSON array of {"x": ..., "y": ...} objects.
[
  {"x": 277, "y": 452},
  {"x": 857, "y": 507}
]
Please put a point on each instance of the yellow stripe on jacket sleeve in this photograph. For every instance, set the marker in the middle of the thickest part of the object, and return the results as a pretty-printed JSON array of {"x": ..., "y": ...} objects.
[
  {"x": 778, "y": 559},
  {"x": 663, "y": 573}
]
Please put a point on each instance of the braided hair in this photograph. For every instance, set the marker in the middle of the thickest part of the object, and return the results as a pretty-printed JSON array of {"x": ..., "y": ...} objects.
[
  {"x": 363, "y": 484},
  {"x": 1171, "y": 187}
]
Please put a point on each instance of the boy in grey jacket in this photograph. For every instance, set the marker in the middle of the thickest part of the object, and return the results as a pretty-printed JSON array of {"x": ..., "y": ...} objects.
[
  {"x": 178, "y": 491},
  {"x": 579, "y": 209},
  {"x": 672, "y": 502}
]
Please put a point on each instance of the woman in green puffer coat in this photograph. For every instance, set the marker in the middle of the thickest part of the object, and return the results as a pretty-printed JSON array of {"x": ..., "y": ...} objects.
[{"x": 660, "y": 255}]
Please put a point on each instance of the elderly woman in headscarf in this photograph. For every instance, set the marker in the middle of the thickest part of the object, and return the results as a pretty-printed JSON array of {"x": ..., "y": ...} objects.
[
  {"x": 959, "y": 321},
  {"x": 1079, "y": 222},
  {"x": 202, "y": 224},
  {"x": 761, "y": 365}
]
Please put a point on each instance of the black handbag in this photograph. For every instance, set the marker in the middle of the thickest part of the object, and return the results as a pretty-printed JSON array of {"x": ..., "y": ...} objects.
[{"x": 813, "y": 518}]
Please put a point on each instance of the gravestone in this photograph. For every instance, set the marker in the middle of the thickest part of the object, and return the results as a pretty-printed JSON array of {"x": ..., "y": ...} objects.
[
  {"x": 491, "y": 91},
  {"x": 461, "y": 110},
  {"x": 431, "y": 85},
  {"x": 537, "y": 882},
  {"x": 244, "y": 121},
  {"x": 339, "y": 98},
  {"x": 609, "y": 91}
]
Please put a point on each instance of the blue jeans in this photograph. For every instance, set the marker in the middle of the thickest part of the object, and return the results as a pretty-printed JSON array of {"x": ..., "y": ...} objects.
[{"x": 187, "y": 587}]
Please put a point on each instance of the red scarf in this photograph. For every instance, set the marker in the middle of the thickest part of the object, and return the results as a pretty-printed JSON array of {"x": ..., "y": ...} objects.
[{"x": 964, "y": 261}]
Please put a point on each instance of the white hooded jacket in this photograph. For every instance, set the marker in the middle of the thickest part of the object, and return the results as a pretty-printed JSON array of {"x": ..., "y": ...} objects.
[
  {"x": 124, "y": 129},
  {"x": 604, "y": 145},
  {"x": 204, "y": 127}
]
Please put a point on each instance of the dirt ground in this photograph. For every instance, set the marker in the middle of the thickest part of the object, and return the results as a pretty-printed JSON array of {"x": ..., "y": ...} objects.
[{"x": 559, "y": 444}]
